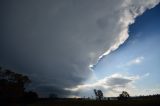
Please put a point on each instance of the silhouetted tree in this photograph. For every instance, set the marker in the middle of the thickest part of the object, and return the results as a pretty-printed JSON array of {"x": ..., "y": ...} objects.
[
  {"x": 123, "y": 96},
  {"x": 98, "y": 94},
  {"x": 12, "y": 85}
]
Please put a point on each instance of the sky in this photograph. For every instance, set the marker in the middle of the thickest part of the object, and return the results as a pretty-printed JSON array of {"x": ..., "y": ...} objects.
[{"x": 71, "y": 47}]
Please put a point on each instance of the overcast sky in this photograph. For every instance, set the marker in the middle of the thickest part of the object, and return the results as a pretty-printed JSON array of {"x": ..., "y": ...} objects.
[{"x": 70, "y": 47}]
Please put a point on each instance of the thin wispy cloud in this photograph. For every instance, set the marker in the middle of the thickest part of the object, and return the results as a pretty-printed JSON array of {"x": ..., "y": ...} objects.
[{"x": 135, "y": 61}]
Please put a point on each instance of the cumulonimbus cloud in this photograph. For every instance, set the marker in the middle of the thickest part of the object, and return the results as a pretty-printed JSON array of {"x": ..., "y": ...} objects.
[{"x": 55, "y": 42}]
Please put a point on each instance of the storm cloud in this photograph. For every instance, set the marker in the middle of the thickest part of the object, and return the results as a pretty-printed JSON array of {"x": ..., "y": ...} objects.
[{"x": 58, "y": 42}]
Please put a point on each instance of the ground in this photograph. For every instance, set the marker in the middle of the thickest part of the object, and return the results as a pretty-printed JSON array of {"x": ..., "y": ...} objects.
[{"x": 147, "y": 102}]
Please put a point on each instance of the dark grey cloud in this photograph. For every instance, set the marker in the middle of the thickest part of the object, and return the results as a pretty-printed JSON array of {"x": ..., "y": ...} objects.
[
  {"x": 118, "y": 81},
  {"x": 55, "y": 41}
]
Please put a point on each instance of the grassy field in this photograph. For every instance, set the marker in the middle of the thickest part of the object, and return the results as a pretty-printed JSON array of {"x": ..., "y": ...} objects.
[{"x": 154, "y": 102}]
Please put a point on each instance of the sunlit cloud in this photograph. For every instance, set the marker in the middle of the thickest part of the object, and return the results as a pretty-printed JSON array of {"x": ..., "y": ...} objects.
[
  {"x": 114, "y": 83},
  {"x": 111, "y": 85}
]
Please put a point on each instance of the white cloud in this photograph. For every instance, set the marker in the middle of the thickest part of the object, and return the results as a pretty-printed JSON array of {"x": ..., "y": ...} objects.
[
  {"x": 113, "y": 84},
  {"x": 137, "y": 60}
]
